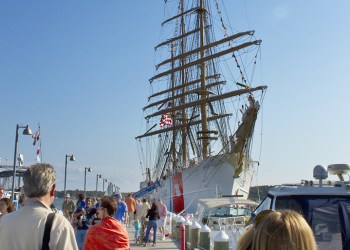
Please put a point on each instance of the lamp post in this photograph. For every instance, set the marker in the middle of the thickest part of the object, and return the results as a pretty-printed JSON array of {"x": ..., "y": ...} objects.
[
  {"x": 97, "y": 177},
  {"x": 110, "y": 188},
  {"x": 103, "y": 186},
  {"x": 71, "y": 158},
  {"x": 89, "y": 170},
  {"x": 26, "y": 131}
]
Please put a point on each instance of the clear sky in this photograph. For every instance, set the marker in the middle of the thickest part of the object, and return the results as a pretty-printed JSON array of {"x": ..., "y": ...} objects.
[{"x": 81, "y": 69}]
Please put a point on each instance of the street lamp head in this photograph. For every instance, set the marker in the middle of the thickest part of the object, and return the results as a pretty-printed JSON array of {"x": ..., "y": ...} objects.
[
  {"x": 72, "y": 158},
  {"x": 89, "y": 169},
  {"x": 27, "y": 131},
  {"x": 99, "y": 176}
]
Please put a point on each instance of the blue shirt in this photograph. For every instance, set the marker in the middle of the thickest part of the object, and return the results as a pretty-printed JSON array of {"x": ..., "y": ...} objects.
[
  {"x": 120, "y": 214},
  {"x": 81, "y": 204}
]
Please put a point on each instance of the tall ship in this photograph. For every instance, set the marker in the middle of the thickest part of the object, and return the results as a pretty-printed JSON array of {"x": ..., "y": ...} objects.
[{"x": 202, "y": 110}]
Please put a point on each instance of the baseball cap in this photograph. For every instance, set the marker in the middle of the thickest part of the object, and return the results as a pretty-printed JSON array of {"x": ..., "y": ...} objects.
[{"x": 117, "y": 196}]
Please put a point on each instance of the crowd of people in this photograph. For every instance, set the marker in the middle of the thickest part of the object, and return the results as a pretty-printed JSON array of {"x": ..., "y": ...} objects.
[
  {"x": 101, "y": 223},
  {"x": 88, "y": 223}
]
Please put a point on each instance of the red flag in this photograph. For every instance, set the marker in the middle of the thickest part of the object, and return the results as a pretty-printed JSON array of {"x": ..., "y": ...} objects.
[{"x": 37, "y": 154}]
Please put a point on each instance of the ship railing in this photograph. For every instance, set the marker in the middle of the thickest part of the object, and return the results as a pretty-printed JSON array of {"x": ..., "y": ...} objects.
[
  {"x": 240, "y": 180},
  {"x": 247, "y": 171}
]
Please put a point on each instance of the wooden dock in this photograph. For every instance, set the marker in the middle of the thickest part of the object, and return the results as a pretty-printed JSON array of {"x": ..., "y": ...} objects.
[{"x": 168, "y": 243}]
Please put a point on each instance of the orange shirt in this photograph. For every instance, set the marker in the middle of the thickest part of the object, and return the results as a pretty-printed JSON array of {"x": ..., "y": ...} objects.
[
  {"x": 110, "y": 234},
  {"x": 131, "y": 203}
]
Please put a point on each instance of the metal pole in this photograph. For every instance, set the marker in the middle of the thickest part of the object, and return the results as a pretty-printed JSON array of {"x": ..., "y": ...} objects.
[
  {"x": 85, "y": 184},
  {"x": 14, "y": 165},
  {"x": 96, "y": 183},
  {"x": 104, "y": 180},
  {"x": 41, "y": 152},
  {"x": 65, "y": 176}
]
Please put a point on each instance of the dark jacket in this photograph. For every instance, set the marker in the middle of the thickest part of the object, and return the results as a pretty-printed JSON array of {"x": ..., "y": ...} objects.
[{"x": 153, "y": 214}]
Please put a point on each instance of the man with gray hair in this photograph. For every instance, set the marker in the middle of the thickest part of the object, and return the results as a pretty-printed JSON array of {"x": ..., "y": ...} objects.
[{"x": 24, "y": 229}]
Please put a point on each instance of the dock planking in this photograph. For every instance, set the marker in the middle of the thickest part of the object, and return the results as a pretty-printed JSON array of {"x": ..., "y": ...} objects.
[{"x": 168, "y": 243}]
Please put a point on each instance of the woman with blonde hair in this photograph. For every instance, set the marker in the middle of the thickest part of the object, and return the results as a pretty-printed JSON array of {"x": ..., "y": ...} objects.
[
  {"x": 280, "y": 230},
  {"x": 245, "y": 242}
]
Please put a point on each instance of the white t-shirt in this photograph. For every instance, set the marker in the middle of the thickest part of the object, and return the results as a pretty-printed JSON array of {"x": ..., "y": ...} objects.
[{"x": 24, "y": 229}]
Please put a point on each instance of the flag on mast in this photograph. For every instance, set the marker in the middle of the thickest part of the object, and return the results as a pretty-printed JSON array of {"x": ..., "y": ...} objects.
[
  {"x": 36, "y": 137},
  {"x": 38, "y": 155},
  {"x": 166, "y": 118}
]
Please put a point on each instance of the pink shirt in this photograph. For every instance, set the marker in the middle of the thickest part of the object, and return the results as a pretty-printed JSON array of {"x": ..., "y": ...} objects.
[{"x": 162, "y": 210}]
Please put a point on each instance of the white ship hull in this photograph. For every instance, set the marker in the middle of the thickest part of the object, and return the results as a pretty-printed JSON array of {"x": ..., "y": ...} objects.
[{"x": 211, "y": 178}]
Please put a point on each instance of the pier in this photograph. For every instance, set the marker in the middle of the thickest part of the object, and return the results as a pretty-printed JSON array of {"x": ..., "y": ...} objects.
[{"x": 167, "y": 243}]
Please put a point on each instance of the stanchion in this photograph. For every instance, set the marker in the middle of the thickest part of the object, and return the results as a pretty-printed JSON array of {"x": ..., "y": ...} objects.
[
  {"x": 182, "y": 237},
  {"x": 179, "y": 221},
  {"x": 204, "y": 238},
  {"x": 221, "y": 241},
  {"x": 187, "y": 223},
  {"x": 173, "y": 225},
  {"x": 194, "y": 234}
]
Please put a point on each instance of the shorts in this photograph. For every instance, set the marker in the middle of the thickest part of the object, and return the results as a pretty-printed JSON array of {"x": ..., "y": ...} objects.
[
  {"x": 161, "y": 222},
  {"x": 131, "y": 215}
]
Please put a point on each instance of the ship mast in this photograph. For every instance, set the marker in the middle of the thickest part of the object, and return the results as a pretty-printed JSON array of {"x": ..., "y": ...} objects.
[
  {"x": 183, "y": 98},
  {"x": 203, "y": 87},
  {"x": 194, "y": 87},
  {"x": 173, "y": 144}
]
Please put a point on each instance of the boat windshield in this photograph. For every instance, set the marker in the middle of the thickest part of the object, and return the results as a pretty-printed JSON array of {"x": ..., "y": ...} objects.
[
  {"x": 226, "y": 211},
  {"x": 327, "y": 215}
]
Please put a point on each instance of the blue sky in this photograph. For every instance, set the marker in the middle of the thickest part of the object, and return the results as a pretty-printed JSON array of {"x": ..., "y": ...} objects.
[{"x": 81, "y": 69}]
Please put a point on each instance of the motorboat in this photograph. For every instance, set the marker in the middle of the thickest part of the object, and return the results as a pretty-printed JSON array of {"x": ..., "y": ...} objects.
[
  {"x": 229, "y": 215},
  {"x": 6, "y": 177},
  {"x": 324, "y": 204}
]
